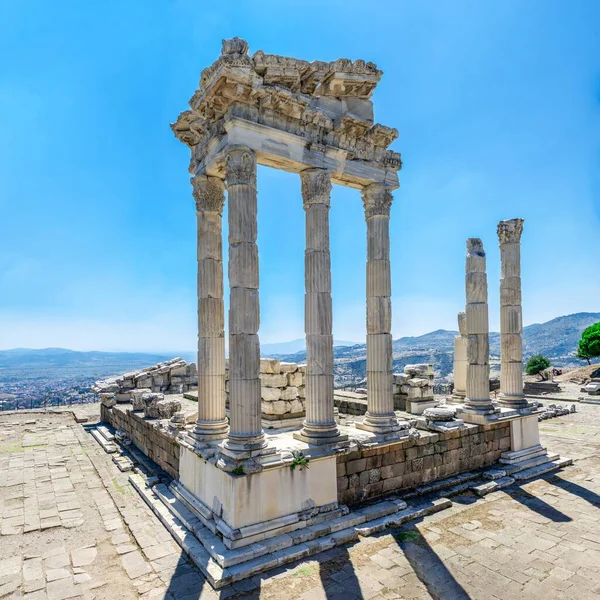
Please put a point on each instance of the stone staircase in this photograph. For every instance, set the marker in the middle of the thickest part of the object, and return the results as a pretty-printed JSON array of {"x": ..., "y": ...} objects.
[{"x": 179, "y": 513}]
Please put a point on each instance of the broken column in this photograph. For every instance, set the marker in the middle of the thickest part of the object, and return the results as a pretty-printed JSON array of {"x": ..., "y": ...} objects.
[
  {"x": 209, "y": 193},
  {"x": 380, "y": 417},
  {"x": 320, "y": 426},
  {"x": 246, "y": 432},
  {"x": 478, "y": 404},
  {"x": 460, "y": 362},
  {"x": 511, "y": 315}
]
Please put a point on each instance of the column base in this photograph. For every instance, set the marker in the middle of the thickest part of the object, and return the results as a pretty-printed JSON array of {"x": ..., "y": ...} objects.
[
  {"x": 455, "y": 399},
  {"x": 517, "y": 401},
  {"x": 242, "y": 448},
  {"x": 383, "y": 425},
  {"x": 210, "y": 431},
  {"x": 320, "y": 435}
]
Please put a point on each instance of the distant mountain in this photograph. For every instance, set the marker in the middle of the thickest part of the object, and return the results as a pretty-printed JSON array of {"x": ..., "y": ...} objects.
[
  {"x": 557, "y": 339},
  {"x": 299, "y": 345}
]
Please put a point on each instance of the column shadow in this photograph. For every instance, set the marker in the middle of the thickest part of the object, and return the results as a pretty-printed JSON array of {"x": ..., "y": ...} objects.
[
  {"x": 338, "y": 577},
  {"x": 537, "y": 504},
  {"x": 186, "y": 582},
  {"x": 428, "y": 566},
  {"x": 575, "y": 489}
]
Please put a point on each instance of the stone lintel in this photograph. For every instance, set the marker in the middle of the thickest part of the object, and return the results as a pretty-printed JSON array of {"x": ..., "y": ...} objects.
[{"x": 292, "y": 153}]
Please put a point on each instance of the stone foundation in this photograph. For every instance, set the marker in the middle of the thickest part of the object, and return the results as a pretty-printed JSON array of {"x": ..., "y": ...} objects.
[
  {"x": 146, "y": 435},
  {"x": 368, "y": 473}
]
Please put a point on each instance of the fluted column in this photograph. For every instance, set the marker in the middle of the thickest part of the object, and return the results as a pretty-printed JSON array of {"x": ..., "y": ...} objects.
[
  {"x": 210, "y": 197},
  {"x": 511, "y": 315},
  {"x": 246, "y": 432},
  {"x": 380, "y": 417},
  {"x": 320, "y": 426},
  {"x": 477, "y": 399},
  {"x": 460, "y": 362}
]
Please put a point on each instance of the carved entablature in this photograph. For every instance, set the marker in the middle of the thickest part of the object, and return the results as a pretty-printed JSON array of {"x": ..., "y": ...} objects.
[
  {"x": 325, "y": 103},
  {"x": 509, "y": 232}
]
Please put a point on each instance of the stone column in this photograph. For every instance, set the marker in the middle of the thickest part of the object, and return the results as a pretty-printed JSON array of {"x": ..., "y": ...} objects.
[
  {"x": 210, "y": 198},
  {"x": 477, "y": 401},
  {"x": 320, "y": 426},
  {"x": 460, "y": 362},
  {"x": 380, "y": 417},
  {"x": 246, "y": 432},
  {"x": 511, "y": 315}
]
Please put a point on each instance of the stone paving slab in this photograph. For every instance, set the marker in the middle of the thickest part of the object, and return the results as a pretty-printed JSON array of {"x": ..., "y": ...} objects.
[{"x": 538, "y": 540}]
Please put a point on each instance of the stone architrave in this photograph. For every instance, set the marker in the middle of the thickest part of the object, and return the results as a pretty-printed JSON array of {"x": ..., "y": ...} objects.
[
  {"x": 320, "y": 426},
  {"x": 209, "y": 194},
  {"x": 246, "y": 433},
  {"x": 380, "y": 416},
  {"x": 460, "y": 362},
  {"x": 477, "y": 401},
  {"x": 511, "y": 316}
]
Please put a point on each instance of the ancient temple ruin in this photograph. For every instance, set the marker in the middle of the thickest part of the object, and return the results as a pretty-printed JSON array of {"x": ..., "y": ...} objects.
[{"x": 244, "y": 499}]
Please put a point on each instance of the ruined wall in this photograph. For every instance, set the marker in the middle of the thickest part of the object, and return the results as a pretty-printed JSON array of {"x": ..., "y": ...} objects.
[
  {"x": 416, "y": 383},
  {"x": 173, "y": 376},
  {"x": 282, "y": 388},
  {"x": 146, "y": 435},
  {"x": 371, "y": 472}
]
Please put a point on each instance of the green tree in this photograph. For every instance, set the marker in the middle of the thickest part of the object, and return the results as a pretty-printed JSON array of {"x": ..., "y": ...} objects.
[
  {"x": 536, "y": 364},
  {"x": 589, "y": 344}
]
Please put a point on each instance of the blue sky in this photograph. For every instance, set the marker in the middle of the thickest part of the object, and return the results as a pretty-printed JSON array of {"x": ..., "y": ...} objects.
[{"x": 497, "y": 104}]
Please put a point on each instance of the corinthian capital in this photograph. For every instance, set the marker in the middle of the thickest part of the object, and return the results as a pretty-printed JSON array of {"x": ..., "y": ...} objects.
[
  {"x": 316, "y": 187},
  {"x": 209, "y": 193},
  {"x": 509, "y": 232},
  {"x": 240, "y": 167},
  {"x": 377, "y": 200}
]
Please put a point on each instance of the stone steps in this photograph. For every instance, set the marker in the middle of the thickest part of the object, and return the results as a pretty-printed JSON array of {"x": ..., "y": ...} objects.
[
  {"x": 223, "y": 566},
  {"x": 450, "y": 486},
  {"x": 528, "y": 469},
  {"x": 528, "y": 464},
  {"x": 553, "y": 465},
  {"x": 108, "y": 446}
]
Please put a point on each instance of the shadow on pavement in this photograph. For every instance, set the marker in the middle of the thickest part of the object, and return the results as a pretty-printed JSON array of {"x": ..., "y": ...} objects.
[
  {"x": 429, "y": 567},
  {"x": 537, "y": 504}
]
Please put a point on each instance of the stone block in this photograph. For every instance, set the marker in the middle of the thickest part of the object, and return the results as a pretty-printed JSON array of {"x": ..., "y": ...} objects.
[
  {"x": 288, "y": 367},
  {"x": 270, "y": 394},
  {"x": 295, "y": 379},
  {"x": 278, "y": 380},
  {"x": 270, "y": 365},
  {"x": 289, "y": 393}
]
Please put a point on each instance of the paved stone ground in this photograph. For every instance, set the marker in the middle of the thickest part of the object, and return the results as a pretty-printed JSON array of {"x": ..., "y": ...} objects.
[{"x": 72, "y": 527}]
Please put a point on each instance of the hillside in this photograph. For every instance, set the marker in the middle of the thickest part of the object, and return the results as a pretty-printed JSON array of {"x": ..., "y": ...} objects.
[{"x": 557, "y": 339}]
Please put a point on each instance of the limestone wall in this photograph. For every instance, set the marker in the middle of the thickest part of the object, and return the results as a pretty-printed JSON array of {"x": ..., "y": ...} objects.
[
  {"x": 146, "y": 435},
  {"x": 282, "y": 390},
  {"x": 416, "y": 383},
  {"x": 368, "y": 473},
  {"x": 173, "y": 376}
]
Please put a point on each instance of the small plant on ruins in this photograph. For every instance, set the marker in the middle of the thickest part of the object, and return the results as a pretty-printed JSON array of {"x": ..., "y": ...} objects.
[
  {"x": 536, "y": 364},
  {"x": 299, "y": 460},
  {"x": 239, "y": 470},
  {"x": 589, "y": 344}
]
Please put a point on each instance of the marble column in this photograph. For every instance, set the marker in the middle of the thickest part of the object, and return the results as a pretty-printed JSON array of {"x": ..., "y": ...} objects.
[
  {"x": 209, "y": 193},
  {"x": 320, "y": 426},
  {"x": 511, "y": 315},
  {"x": 246, "y": 432},
  {"x": 460, "y": 362},
  {"x": 380, "y": 417},
  {"x": 477, "y": 400}
]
